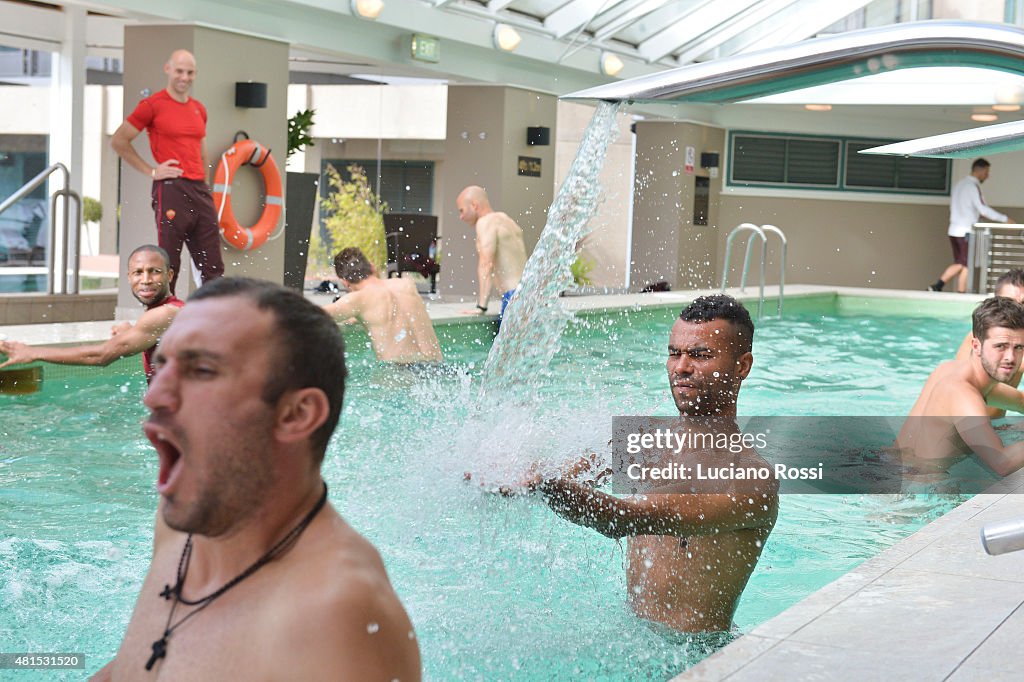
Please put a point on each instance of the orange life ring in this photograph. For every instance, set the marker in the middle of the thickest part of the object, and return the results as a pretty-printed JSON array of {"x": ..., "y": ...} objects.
[{"x": 240, "y": 153}]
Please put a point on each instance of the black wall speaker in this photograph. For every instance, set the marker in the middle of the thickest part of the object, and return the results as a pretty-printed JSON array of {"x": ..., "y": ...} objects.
[
  {"x": 251, "y": 95},
  {"x": 539, "y": 136},
  {"x": 709, "y": 160}
]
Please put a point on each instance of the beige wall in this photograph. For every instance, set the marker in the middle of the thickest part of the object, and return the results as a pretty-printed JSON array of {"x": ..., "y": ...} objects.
[
  {"x": 666, "y": 245},
  {"x": 219, "y": 68},
  {"x": 486, "y": 134},
  {"x": 846, "y": 243}
]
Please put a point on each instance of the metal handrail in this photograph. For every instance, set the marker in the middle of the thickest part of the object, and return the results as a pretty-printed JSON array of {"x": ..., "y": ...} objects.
[
  {"x": 756, "y": 231},
  {"x": 782, "y": 262},
  {"x": 69, "y": 258},
  {"x": 979, "y": 248}
]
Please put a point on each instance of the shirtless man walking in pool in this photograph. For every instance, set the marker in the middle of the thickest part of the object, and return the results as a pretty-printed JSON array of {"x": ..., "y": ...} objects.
[
  {"x": 950, "y": 419},
  {"x": 391, "y": 310},
  {"x": 254, "y": 575},
  {"x": 500, "y": 250},
  {"x": 690, "y": 555}
]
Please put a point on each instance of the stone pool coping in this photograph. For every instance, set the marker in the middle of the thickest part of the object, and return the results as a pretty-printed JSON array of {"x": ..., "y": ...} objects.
[
  {"x": 797, "y": 297},
  {"x": 933, "y": 606}
]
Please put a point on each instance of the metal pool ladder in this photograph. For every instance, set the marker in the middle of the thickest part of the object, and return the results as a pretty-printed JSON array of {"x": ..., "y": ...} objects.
[{"x": 755, "y": 232}]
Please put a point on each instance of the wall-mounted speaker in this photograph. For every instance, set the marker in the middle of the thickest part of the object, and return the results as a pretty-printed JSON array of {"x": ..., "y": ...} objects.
[
  {"x": 251, "y": 95},
  {"x": 538, "y": 136}
]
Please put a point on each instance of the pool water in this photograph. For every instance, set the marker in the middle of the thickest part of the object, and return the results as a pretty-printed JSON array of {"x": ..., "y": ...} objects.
[{"x": 497, "y": 588}]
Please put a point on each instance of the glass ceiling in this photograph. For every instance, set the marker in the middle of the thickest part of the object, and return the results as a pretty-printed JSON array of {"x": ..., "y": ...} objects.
[{"x": 679, "y": 32}]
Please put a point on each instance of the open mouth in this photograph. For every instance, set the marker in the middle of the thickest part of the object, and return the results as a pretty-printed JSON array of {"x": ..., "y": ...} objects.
[{"x": 170, "y": 459}]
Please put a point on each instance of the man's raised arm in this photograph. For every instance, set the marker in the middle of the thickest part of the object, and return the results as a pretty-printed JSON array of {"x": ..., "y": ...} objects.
[
  {"x": 673, "y": 513},
  {"x": 142, "y": 336}
]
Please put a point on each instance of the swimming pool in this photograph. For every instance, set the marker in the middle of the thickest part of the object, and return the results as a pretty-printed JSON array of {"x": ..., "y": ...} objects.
[{"x": 497, "y": 588}]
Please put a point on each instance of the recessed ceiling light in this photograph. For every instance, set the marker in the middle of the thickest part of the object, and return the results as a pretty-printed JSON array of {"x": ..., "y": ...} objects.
[
  {"x": 506, "y": 38},
  {"x": 611, "y": 65},
  {"x": 1006, "y": 107},
  {"x": 984, "y": 118},
  {"x": 818, "y": 107}
]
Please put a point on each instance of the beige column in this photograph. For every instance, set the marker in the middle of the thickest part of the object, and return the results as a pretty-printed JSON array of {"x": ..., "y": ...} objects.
[
  {"x": 486, "y": 136},
  {"x": 666, "y": 245},
  {"x": 222, "y": 59}
]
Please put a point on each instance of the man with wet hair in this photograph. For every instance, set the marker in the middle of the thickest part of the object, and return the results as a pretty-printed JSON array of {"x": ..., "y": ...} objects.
[
  {"x": 500, "y": 249},
  {"x": 689, "y": 555},
  {"x": 391, "y": 310},
  {"x": 254, "y": 574},
  {"x": 966, "y": 206},
  {"x": 950, "y": 419},
  {"x": 149, "y": 275},
  {"x": 182, "y": 201},
  {"x": 1010, "y": 285}
]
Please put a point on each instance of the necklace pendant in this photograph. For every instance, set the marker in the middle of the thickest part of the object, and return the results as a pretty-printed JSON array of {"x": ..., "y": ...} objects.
[{"x": 159, "y": 651}]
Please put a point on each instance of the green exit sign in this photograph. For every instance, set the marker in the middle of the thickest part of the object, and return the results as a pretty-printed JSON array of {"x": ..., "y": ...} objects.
[{"x": 426, "y": 48}]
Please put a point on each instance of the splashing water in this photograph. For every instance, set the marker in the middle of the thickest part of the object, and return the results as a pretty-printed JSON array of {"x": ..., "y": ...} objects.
[{"x": 533, "y": 324}]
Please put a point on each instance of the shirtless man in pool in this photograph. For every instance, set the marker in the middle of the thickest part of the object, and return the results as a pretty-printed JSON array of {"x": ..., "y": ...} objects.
[
  {"x": 690, "y": 555},
  {"x": 391, "y": 310},
  {"x": 1010, "y": 285},
  {"x": 949, "y": 421}
]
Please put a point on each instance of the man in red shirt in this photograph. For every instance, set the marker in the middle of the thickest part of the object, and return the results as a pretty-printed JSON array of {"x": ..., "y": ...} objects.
[
  {"x": 149, "y": 277},
  {"x": 182, "y": 200}
]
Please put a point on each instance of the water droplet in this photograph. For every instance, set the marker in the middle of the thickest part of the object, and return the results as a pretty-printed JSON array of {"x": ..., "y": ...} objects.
[{"x": 372, "y": 628}]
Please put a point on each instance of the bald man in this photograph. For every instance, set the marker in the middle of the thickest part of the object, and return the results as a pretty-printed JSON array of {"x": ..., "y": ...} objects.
[
  {"x": 182, "y": 201},
  {"x": 500, "y": 250}
]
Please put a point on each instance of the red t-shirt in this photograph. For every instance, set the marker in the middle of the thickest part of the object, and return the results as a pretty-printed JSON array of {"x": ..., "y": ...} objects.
[
  {"x": 147, "y": 355},
  {"x": 176, "y": 131}
]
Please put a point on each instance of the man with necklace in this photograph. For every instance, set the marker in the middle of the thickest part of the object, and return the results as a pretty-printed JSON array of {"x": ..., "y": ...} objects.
[{"x": 254, "y": 575}]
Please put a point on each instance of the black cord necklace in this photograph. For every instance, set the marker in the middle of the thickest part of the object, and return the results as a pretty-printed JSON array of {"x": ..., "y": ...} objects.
[{"x": 160, "y": 645}]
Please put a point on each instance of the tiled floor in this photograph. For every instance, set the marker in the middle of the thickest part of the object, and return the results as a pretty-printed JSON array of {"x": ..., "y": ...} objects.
[{"x": 932, "y": 607}]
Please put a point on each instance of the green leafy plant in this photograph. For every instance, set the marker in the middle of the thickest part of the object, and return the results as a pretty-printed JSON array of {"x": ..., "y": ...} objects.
[
  {"x": 299, "y": 126},
  {"x": 581, "y": 269},
  {"x": 92, "y": 210},
  {"x": 352, "y": 216}
]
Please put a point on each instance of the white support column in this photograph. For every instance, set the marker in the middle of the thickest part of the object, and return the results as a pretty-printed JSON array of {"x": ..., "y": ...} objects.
[{"x": 67, "y": 112}]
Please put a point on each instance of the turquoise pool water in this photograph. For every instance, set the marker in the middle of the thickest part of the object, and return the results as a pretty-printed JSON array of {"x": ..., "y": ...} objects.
[{"x": 497, "y": 588}]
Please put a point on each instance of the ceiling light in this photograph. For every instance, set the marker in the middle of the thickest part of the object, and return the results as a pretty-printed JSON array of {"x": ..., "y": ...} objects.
[
  {"x": 818, "y": 107},
  {"x": 984, "y": 118},
  {"x": 506, "y": 38},
  {"x": 1006, "y": 107},
  {"x": 611, "y": 65},
  {"x": 367, "y": 9}
]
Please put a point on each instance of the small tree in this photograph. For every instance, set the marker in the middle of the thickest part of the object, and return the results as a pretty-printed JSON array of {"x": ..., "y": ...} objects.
[
  {"x": 353, "y": 216},
  {"x": 299, "y": 126}
]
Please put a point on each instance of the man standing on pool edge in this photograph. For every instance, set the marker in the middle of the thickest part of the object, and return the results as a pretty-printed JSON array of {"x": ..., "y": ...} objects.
[
  {"x": 690, "y": 554},
  {"x": 181, "y": 197},
  {"x": 500, "y": 250},
  {"x": 254, "y": 575},
  {"x": 966, "y": 205}
]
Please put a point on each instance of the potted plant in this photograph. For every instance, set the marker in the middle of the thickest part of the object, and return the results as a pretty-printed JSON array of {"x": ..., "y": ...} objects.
[
  {"x": 300, "y": 203},
  {"x": 352, "y": 216}
]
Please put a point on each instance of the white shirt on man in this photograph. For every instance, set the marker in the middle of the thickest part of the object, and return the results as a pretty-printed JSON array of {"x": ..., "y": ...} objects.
[{"x": 966, "y": 205}]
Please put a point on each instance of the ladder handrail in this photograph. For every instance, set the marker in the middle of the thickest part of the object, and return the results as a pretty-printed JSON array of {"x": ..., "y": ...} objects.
[
  {"x": 755, "y": 232},
  {"x": 69, "y": 282},
  {"x": 782, "y": 262}
]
